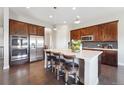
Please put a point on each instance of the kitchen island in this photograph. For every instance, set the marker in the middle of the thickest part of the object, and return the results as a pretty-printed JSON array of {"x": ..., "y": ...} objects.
[{"x": 91, "y": 63}]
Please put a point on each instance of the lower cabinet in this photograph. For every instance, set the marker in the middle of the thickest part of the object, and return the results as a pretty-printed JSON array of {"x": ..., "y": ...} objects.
[{"x": 109, "y": 58}]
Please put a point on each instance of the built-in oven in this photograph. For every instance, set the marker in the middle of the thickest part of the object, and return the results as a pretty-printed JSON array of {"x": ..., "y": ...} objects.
[
  {"x": 19, "y": 47},
  {"x": 19, "y": 41},
  {"x": 19, "y": 54}
]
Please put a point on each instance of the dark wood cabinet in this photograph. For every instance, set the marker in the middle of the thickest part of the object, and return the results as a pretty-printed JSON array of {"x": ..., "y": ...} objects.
[
  {"x": 86, "y": 31},
  {"x": 21, "y": 28},
  {"x": 83, "y": 31},
  {"x": 109, "y": 58},
  {"x": 97, "y": 34},
  {"x": 36, "y": 30},
  {"x": 40, "y": 31},
  {"x": 18, "y": 28},
  {"x": 102, "y": 32},
  {"x": 92, "y": 30},
  {"x": 32, "y": 29},
  {"x": 109, "y": 31},
  {"x": 75, "y": 35}
]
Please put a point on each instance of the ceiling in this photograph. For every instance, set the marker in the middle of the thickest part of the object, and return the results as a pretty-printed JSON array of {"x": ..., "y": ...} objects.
[{"x": 61, "y": 14}]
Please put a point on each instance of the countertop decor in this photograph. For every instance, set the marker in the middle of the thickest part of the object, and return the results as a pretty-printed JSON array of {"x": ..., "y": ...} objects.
[{"x": 76, "y": 45}]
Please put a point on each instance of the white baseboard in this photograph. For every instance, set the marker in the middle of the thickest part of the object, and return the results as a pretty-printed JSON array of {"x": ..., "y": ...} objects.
[
  {"x": 6, "y": 67},
  {"x": 121, "y": 64}
]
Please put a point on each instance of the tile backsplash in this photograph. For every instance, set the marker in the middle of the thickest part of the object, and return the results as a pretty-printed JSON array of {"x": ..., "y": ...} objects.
[{"x": 97, "y": 44}]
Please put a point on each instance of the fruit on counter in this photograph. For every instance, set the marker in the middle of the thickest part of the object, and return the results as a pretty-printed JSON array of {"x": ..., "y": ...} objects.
[{"x": 76, "y": 45}]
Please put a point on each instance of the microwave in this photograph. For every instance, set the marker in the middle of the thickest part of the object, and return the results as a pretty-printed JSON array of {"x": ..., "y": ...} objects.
[{"x": 87, "y": 38}]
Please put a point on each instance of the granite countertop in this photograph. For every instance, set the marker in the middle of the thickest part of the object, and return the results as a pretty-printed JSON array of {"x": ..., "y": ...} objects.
[{"x": 101, "y": 49}]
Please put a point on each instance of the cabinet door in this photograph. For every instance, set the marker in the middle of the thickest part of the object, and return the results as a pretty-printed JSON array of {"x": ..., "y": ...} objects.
[
  {"x": 18, "y": 28},
  {"x": 75, "y": 34},
  {"x": 109, "y": 31},
  {"x": 32, "y": 29},
  {"x": 97, "y": 33},
  {"x": 89, "y": 30},
  {"x": 83, "y": 31},
  {"x": 110, "y": 58},
  {"x": 11, "y": 27},
  {"x": 112, "y": 29},
  {"x": 93, "y": 30},
  {"x": 40, "y": 31}
]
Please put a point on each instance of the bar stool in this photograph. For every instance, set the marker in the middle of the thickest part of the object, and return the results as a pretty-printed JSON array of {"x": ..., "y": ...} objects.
[
  {"x": 50, "y": 59},
  {"x": 58, "y": 63},
  {"x": 70, "y": 67}
]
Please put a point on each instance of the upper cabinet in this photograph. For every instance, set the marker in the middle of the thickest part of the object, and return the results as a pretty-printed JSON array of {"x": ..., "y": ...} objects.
[
  {"x": 18, "y": 28},
  {"x": 93, "y": 30},
  {"x": 109, "y": 31},
  {"x": 40, "y": 31},
  {"x": 102, "y": 32},
  {"x": 36, "y": 30},
  {"x": 32, "y": 29},
  {"x": 21, "y": 28},
  {"x": 75, "y": 34},
  {"x": 86, "y": 31}
]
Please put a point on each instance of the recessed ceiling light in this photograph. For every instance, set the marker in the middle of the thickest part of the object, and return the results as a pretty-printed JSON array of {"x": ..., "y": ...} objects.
[
  {"x": 77, "y": 21},
  {"x": 28, "y": 7},
  {"x": 65, "y": 22},
  {"x": 50, "y": 16},
  {"x": 54, "y": 28},
  {"x": 78, "y": 16},
  {"x": 73, "y": 8}
]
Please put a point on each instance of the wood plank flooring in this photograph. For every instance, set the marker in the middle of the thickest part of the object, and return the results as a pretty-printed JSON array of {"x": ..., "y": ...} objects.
[{"x": 35, "y": 74}]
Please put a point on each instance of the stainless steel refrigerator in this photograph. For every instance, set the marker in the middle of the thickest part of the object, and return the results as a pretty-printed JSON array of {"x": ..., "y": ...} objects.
[
  {"x": 36, "y": 47},
  {"x": 1, "y": 48}
]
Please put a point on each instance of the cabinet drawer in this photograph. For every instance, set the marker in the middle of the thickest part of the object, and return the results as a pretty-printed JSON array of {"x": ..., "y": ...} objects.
[{"x": 110, "y": 58}]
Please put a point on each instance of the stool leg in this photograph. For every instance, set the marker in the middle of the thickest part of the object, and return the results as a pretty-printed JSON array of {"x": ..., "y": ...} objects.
[
  {"x": 66, "y": 77},
  {"x": 76, "y": 78},
  {"x": 47, "y": 64},
  {"x": 57, "y": 72},
  {"x": 52, "y": 66},
  {"x": 77, "y": 75}
]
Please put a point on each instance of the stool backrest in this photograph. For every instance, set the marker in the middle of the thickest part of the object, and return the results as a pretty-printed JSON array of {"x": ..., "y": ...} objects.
[
  {"x": 48, "y": 53},
  {"x": 57, "y": 55},
  {"x": 69, "y": 58}
]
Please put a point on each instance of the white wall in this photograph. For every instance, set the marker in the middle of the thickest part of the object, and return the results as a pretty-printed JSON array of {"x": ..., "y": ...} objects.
[
  {"x": 121, "y": 40},
  {"x": 61, "y": 36},
  {"x": 48, "y": 37},
  {"x": 120, "y": 17}
]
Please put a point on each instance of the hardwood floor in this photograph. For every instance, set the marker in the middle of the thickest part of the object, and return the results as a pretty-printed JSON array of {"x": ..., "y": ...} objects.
[
  {"x": 35, "y": 74},
  {"x": 29, "y": 74},
  {"x": 111, "y": 75}
]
